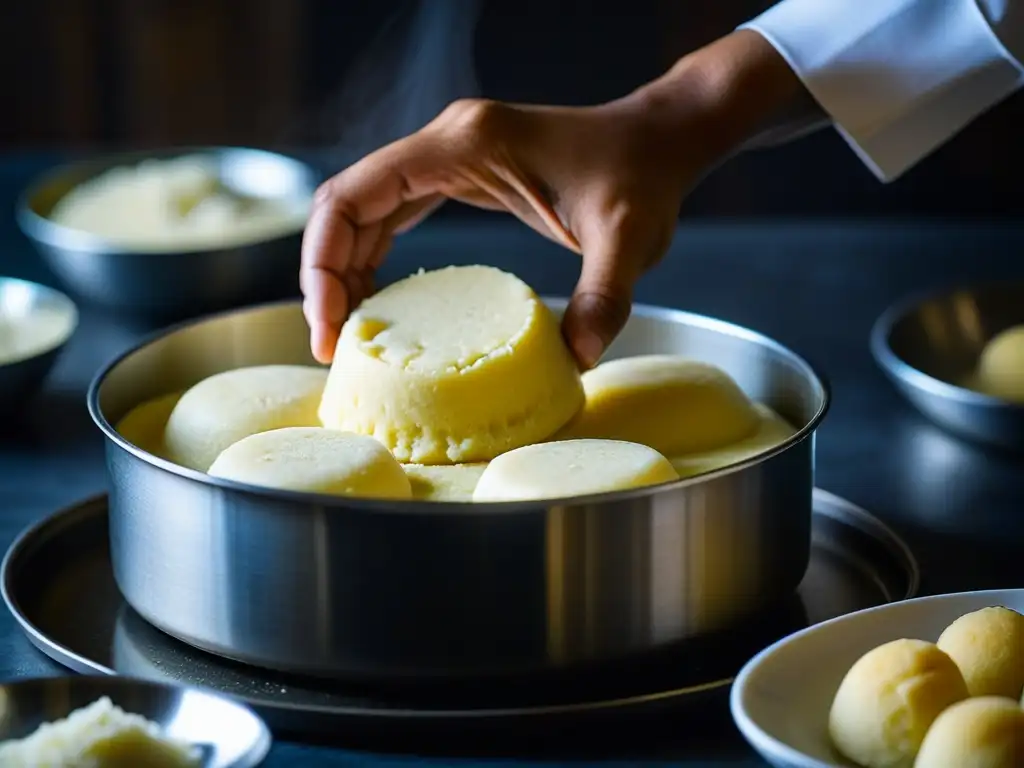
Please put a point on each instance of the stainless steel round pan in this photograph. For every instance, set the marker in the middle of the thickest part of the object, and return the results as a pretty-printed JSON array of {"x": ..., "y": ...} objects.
[{"x": 340, "y": 587}]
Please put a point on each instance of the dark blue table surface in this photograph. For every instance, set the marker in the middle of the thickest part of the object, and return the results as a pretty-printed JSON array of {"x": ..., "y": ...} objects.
[{"x": 815, "y": 286}]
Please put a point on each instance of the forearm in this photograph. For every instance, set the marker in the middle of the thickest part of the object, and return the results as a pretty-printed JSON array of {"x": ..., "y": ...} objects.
[
  {"x": 899, "y": 78},
  {"x": 740, "y": 89},
  {"x": 896, "y": 78}
]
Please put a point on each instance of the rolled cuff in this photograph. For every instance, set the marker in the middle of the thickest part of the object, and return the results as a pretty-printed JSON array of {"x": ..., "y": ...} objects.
[{"x": 898, "y": 78}]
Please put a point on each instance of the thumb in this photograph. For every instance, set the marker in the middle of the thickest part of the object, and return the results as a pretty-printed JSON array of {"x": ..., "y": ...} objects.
[{"x": 602, "y": 300}]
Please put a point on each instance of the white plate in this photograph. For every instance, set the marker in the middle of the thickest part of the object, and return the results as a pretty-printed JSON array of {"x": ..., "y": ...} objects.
[{"x": 781, "y": 698}]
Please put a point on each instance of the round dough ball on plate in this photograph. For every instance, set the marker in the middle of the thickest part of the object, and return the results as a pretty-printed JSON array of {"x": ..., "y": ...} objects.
[
  {"x": 1001, "y": 367},
  {"x": 988, "y": 646},
  {"x": 222, "y": 409},
  {"x": 888, "y": 700},
  {"x": 571, "y": 468},
  {"x": 314, "y": 460},
  {"x": 983, "y": 732},
  {"x": 672, "y": 404},
  {"x": 452, "y": 366}
]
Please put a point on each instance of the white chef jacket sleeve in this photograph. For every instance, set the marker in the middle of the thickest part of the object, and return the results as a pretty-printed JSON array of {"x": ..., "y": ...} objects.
[{"x": 899, "y": 78}]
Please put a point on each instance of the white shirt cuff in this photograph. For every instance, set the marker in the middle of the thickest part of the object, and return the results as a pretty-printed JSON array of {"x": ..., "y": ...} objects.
[{"x": 899, "y": 78}]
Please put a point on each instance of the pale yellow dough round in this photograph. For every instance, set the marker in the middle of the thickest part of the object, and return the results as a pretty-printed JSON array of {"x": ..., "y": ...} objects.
[
  {"x": 444, "y": 482},
  {"x": 315, "y": 460},
  {"x": 888, "y": 700},
  {"x": 571, "y": 468},
  {"x": 222, "y": 409},
  {"x": 452, "y": 366},
  {"x": 982, "y": 732},
  {"x": 672, "y": 404},
  {"x": 144, "y": 424},
  {"x": 771, "y": 431},
  {"x": 988, "y": 646},
  {"x": 1000, "y": 370}
]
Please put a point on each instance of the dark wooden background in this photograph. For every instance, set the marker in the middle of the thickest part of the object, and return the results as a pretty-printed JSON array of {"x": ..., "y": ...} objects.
[{"x": 129, "y": 73}]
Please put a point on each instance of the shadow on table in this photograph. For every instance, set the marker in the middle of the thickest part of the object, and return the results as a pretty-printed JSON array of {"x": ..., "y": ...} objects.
[
  {"x": 54, "y": 421},
  {"x": 704, "y": 733},
  {"x": 953, "y": 509}
]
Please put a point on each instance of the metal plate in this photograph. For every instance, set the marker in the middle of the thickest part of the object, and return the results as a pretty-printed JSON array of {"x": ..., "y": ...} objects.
[{"x": 58, "y": 583}]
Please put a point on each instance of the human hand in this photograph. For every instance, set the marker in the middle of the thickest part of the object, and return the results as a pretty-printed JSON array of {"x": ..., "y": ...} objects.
[{"x": 606, "y": 182}]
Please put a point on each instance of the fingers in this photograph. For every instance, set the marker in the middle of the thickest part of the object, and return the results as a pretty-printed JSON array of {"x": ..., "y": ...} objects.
[
  {"x": 354, "y": 216},
  {"x": 616, "y": 251},
  {"x": 413, "y": 213},
  {"x": 599, "y": 306}
]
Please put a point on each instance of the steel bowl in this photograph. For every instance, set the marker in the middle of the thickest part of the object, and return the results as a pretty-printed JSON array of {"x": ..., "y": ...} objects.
[
  {"x": 23, "y": 370},
  {"x": 171, "y": 285},
  {"x": 228, "y": 733},
  {"x": 342, "y": 587},
  {"x": 929, "y": 344}
]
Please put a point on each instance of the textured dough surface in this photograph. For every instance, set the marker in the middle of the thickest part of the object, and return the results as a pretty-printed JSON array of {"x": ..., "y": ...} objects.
[
  {"x": 314, "y": 460},
  {"x": 984, "y": 732},
  {"x": 672, "y": 404},
  {"x": 452, "y": 366},
  {"x": 1001, "y": 367},
  {"x": 571, "y": 468},
  {"x": 222, "y": 409},
  {"x": 100, "y": 735},
  {"x": 444, "y": 482},
  {"x": 988, "y": 646},
  {"x": 144, "y": 425},
  {"x": 771, "y": 431},
  {"x": 888, "y": 700}
]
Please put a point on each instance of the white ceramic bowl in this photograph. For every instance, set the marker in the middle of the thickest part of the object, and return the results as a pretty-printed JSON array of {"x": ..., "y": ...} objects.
[{"x": 781, "y": 698}]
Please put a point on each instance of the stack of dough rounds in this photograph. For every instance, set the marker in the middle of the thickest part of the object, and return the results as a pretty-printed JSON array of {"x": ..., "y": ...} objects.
[
  {"x": 449, "y": 370},
  {"x": 571, "y": 468},
  {"x": 988, "y": 647},
  {"x": 672, "y": 404},
  {"x": 889, "y": 699},
  {"x": 1001, "y": 367},
  {"x": 224, "y": 408},
  {"x": 452, "y": 366},
  {"x": 983, "y": 732},
  {"x": 314, "y": 460},
  {"x": 444, "y": 482}
]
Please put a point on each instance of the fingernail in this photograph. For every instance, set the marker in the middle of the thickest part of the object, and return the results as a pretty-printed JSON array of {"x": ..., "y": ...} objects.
[
  {"x": 320, "y": 344},
  {"x": 589, "y": 348}
]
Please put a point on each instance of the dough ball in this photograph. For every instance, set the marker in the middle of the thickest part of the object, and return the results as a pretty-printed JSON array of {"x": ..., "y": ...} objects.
[
  {"x": 772, "y": 431},
  {"x": 452, "y": 366},
  {"x": 988, "y": 646},
  {"x": 444, "y": 482},
  {"x": 670, "y": 403},
  {"x": 984, "y": 732},
  {"x": 1001, "y": 368},
  {"x": 144, "y": 425},
  {"x": 888, "y": 700},
  {"x": 314, "y": 460},
  {"x": 226, "y": 407},
  {"x": 571, "y": 468}
]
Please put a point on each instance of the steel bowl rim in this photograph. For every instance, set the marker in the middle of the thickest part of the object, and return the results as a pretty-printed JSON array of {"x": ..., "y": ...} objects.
[
  {"x": 254, "y": 755},
  {"x": 68, "y": 305},
  {"x": 900, "y": 371},
  {"x": 462, "y": 507},
  {"x": 45, "y": 230}
]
